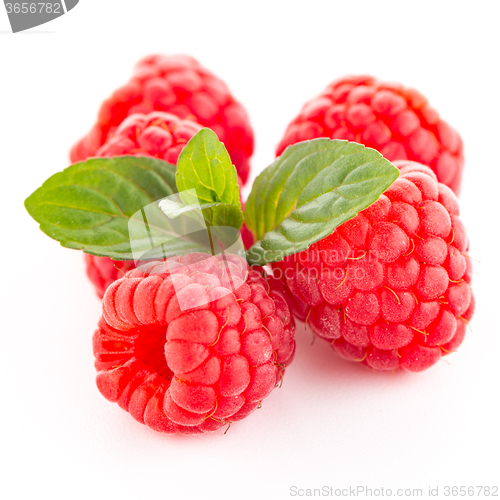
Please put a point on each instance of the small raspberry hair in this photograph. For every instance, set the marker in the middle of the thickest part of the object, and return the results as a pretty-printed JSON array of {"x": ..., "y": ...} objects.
[
  {"x": 181, "y": 86},
  {"x": 198, "y": 369},
  {"x": 397, "y": 121},
  {"x": 102, "y": 271},
  {"x": 391, "y": 287}
]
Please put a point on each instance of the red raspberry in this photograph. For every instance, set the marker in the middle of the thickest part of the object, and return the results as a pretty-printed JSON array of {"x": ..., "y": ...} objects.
[
  {"x": 391, "y": 287},
  {"x": 197, "y": 369},
  {"x": 160, "y": 135},
  {"x": 181, "y": 86},
  {"x": 397, "y": 121}
]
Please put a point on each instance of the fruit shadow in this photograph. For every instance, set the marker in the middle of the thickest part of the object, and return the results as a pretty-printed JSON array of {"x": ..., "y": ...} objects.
[{"x": 316, "y": 356}]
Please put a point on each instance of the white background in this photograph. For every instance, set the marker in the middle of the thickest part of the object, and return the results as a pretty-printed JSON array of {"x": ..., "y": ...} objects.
[{"x": 333, "y": 423}]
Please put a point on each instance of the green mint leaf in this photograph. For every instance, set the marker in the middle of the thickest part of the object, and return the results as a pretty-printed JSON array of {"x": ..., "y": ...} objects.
[
  {"x": 212, "y": 227},
  {"x": 222, "y": 214},
  {"x": 205, "y": 165},
  {"x": 88, "y": 205},
  {"x": 312, "y": 188}
]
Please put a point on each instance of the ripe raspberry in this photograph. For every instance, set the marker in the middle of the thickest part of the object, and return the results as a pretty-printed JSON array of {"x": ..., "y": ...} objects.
[
  {"x": 157, "y": 134},
  {"x": 192, "y": 370},
  {"x": 397, "y": 121},
  {"x": 181, "y": 86},
  {"x": 391, "y": 287}
]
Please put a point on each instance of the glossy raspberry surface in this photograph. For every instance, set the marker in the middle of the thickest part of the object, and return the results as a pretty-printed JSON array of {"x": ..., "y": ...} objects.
[
  {"x": 181, "y": 86},
  {"x": 195, "y": 369},
  {"x": 391, "y": 287},
  {"x": 397, "y": 121}
]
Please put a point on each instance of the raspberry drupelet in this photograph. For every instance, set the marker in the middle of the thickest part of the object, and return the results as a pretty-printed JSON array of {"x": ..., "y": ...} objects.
[
  {"x": 157, "y": 134},
  {"x": 391, "y": 287},
  {"x": 396, "y": 121},
  {"x": 181, "y": 86},
  {"x": 102, "y": 271},
  {"x": 191, "y": 346}
]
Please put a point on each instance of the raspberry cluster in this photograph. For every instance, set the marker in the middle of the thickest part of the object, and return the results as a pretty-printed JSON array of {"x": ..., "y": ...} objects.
[
  {"x": 193, "y": 343},
  {"x": 181, "y": 86},
  {"x": 396, "y": 121},
  {"x": 391, "y": 287}
]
